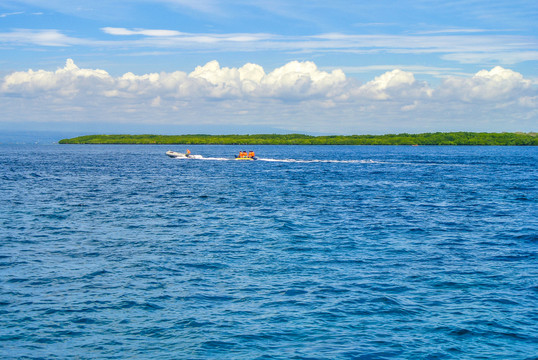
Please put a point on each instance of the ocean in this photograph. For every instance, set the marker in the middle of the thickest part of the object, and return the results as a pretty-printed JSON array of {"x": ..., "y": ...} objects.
[{"x": 311, "y": 252}]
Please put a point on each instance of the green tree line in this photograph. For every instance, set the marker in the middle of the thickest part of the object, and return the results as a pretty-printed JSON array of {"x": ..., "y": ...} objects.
[{"x": 438, "y": 138}]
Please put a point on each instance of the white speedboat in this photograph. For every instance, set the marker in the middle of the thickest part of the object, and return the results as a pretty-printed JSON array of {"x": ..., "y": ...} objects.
[
  {"x": 174, "y": 154},
  {"x": 187, "y": 155}
]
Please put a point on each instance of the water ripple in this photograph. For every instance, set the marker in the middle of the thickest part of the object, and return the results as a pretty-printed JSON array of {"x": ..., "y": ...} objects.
[{"x": 344, "y": 252}]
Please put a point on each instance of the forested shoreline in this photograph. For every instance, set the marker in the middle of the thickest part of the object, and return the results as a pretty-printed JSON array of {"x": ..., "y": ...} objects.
[{"x": 438, "y": 138}]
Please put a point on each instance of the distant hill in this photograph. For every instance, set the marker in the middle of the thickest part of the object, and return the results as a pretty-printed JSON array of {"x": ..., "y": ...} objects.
[{"x": 438, "y": 138}]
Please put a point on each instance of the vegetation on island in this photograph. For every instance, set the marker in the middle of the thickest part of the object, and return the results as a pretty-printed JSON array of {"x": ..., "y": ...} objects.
[{"x": 438, "y": 138}]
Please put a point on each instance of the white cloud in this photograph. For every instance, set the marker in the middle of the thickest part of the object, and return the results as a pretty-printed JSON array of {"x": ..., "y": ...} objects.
[
  {"x": 156, "y": 102},
  {"x": 395, "y": 84},
  {"x": 11, "y": 14},
  {"x": 301, "y": 80},
  {"x": 38, "y": 37},
  {"x": 493, "y": 85},
  {"x": 156, "y": 33},
  {"x": 177, "y": 38},
  {"x": 529, "y": 101},
  {"x": 436, "y": 71},
  {"x": 297, "y": 96},
  {"x": 295, "y": 81},
  {"x": 454, "y": 31},
  {"x": 505, "y": 57},
  {"x": 67, "y": 81},
  {"x": 464, "y": 47},
  {"x": 410, "y": 107}
]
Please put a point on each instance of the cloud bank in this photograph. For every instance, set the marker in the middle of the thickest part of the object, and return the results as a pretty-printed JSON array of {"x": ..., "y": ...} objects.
[{"x": 297, "y": 96}]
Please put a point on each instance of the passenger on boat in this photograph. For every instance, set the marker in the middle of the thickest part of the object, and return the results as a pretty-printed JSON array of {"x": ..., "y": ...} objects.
[{"x": 251, "y": 154}]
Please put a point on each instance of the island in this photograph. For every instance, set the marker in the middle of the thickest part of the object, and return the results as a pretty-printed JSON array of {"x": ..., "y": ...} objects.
[{"x": 438, "y": 138}]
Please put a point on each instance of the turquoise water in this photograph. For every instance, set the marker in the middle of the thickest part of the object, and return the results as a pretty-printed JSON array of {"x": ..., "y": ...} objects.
[{"x": 312, "y": 252}]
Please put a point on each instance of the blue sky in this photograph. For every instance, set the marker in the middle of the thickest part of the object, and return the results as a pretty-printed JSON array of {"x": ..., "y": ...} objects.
[{"x": 237, "y": 66}]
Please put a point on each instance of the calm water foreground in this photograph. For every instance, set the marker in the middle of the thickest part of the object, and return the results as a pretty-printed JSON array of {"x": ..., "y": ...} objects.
[{"x": 315, "y": 252}]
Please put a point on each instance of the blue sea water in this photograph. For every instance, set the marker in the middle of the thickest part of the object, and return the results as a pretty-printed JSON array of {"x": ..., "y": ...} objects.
[{"x": 312, "y": 252}]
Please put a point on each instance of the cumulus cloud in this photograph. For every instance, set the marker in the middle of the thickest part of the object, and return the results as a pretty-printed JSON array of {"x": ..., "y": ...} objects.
[
  {"x": 67, "y": 81},
  {"x": 394, "y": 84},
  {"x": 303, "y": 79},
  {"x": 294, "y": 81},
  {"x": 299, "y": 80},
  {"x": 325, "y": 101},
  {"x": 493, "y": 85}
]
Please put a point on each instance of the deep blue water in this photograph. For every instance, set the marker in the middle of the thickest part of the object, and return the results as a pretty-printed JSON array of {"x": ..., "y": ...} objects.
[{"x": 315, "y": 252}]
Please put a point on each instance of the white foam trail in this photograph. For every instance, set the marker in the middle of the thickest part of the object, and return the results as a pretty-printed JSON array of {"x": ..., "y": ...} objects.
[
  {"x": 334, "y": 161},
  {"x": 200, "y": 157},
  {"x": 216, "y": 158},
  {"x": 319, "y": 161}
]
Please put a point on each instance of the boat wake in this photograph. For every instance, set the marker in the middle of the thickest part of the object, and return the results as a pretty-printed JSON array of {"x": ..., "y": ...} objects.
[
  {"x": 319, "y": 161},
  {"x": 200, "y": 157},
  {"x": 329, "y": 161}
]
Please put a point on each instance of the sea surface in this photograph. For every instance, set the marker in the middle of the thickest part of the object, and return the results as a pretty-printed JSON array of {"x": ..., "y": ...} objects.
[{"x": 311, "y": 252}]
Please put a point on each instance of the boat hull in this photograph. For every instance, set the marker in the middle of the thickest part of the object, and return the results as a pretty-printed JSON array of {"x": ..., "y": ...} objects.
[{"x": 176, "y": 155}]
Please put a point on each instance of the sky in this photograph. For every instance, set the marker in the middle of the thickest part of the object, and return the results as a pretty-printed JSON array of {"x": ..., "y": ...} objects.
[{"x": 268, "y": 66}]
